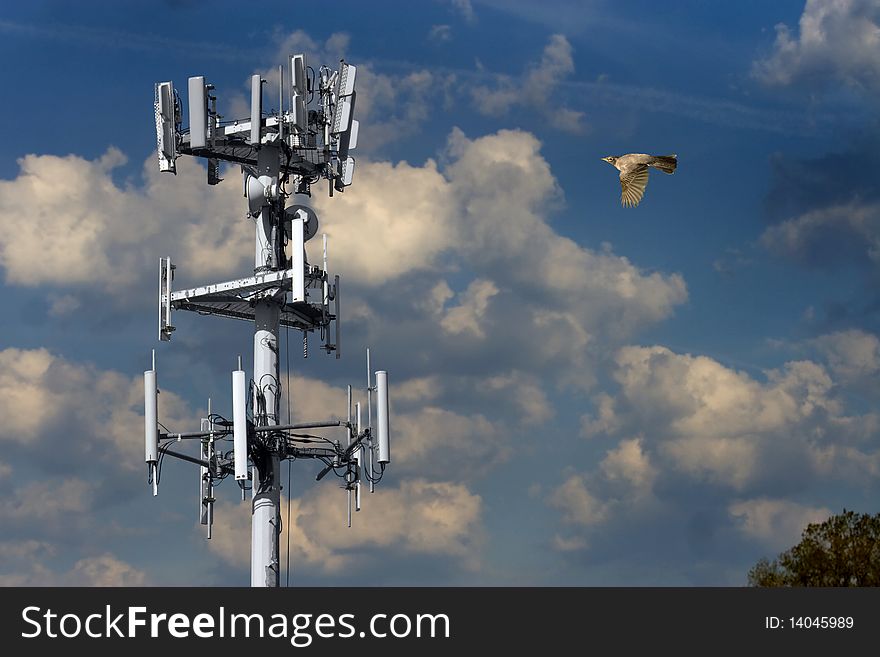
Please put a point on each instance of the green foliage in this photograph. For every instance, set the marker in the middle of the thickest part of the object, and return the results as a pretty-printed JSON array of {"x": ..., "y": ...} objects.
[{"x": 842, "y": 551}]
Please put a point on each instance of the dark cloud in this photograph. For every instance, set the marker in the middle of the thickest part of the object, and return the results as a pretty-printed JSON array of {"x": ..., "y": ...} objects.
[
  {"x": 824, "y": 211},
  {"x": 799, "y": 185}
]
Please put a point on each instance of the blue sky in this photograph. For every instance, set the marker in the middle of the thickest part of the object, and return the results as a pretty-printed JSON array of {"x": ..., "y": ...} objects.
[{"x": 583, "y": 394}]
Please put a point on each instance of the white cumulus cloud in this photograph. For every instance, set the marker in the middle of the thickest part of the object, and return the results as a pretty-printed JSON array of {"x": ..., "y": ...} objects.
[
  {"x": 720, "y": 425},
  {"x": 536, "y": 90},
  {"x": 774, "y": 522},
  {"x": 419, "y": 517},
  {"x": 836, "y": 41},
  {"x": 87, "y": 230},
  {"x": 78, "y": 410},
  {"x": 853, "y": 355}
]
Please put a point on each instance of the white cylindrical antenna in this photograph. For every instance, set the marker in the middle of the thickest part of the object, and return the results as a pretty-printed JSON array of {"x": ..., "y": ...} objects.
[
  {"x": 369, "y": 393},
  {"x": 280, "y": 101},
  {"x": 383, "y": 423},
  {"x": 357, "y": 414},
  {"x": 203, "y": 475},
  {"x": 211, "y": 429},
  {"x": 239, "y": 425},
  {"x": 206, "y": 485},
  {"x": 151, "y": 417},
  {"x": 370, "y": 466},
  {"x": 349, "y": 442},
  {"x": 358, "y": 457},
  {"x": 326, "y": 288},
  {"x": 338, "y": 318},
  {"x": 151, "y": 424},
  {"x": 256, "y": 108},
  {"x": 371, "y": 444}
]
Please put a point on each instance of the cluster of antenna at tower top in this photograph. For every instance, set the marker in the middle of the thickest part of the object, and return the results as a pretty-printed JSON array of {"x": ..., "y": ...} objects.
[{"x": 316, "y": 142}]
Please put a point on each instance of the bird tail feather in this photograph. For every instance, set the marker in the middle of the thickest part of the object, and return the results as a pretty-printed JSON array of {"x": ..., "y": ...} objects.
[{"x": 666, "y": 163}]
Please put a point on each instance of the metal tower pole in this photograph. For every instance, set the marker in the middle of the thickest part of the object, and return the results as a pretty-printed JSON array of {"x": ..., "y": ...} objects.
[{"x": 266, "y": 518}]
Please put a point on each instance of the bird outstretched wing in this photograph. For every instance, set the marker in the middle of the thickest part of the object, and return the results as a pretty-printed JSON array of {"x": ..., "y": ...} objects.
[{"x": 633, "y": 182}]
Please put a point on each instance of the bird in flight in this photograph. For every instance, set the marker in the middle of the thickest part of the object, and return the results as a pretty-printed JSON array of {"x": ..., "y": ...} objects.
[{"x": 634, "y": 173}]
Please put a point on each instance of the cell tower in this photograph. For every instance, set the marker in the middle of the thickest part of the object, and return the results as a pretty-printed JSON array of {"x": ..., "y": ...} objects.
[{"x": 277, "y": 151}]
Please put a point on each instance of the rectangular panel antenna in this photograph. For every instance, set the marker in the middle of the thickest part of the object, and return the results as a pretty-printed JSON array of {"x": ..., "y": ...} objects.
[
  {"x": 348, "y": 171},
  {"x": 300, "y": 114},
  {"x": 342, "y": 115},
  {"x": 383, "y": 424},
  {"x": 345, "y": 83},
  {"x": 256, "y": 109},
  {"x": 166, "y": 126},
  {"x": 299, "y": 93},
  {"x": 239, "y": 425},
  {"x": 198, "y": 113},
  {"x": 213, "y": 171},
  {"x": 353, "y": 134},
  {"x": 344, "y": 145},
  {"x": 298, "y": 82},
  {"x": 166, "y": 276},
  {"x": 345, "y": 95},
  {"x": 345, "y": 174}
]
